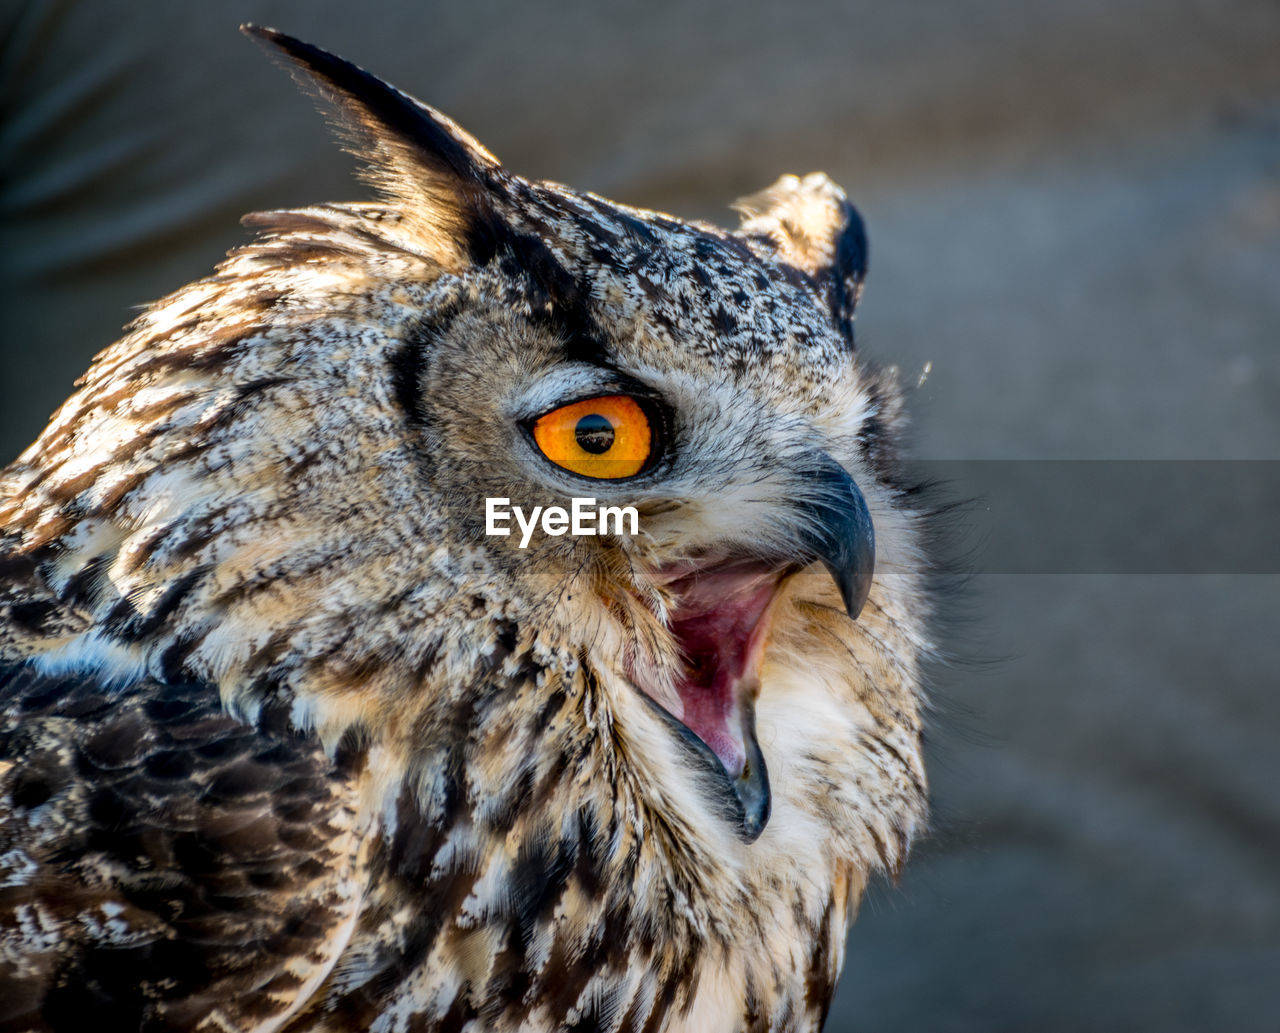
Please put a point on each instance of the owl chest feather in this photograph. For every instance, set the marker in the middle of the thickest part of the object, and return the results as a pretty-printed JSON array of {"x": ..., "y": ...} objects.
[
  {"x": 546, "y": 908},
  {"x": 517, "y": 878}
]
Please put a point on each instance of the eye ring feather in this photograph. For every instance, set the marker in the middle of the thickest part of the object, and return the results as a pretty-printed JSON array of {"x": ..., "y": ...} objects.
[{"x": 609, "y": 437}]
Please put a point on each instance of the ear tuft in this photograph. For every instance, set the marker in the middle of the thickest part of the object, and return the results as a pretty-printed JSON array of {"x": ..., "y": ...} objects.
[
  {"x": 813, "y": 227},
  {"x": 414, "y": 154}
]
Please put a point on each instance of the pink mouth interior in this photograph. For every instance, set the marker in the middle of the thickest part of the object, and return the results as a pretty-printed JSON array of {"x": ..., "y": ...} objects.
[{"x": 719, "y": 624}]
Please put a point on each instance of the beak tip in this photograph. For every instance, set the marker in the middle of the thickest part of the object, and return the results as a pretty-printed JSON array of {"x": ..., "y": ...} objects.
[
  {"x": 853, "y": 579},
  {"x": 854, "y": 590},
  {"x": 753, "y": 793}
]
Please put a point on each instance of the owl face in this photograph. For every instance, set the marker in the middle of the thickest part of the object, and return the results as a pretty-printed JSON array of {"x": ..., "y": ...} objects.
[{"x": 636, "y": 363}]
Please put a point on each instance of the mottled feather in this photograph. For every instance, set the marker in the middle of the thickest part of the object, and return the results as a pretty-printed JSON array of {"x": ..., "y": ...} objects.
[{"x": 289, "y": 743}]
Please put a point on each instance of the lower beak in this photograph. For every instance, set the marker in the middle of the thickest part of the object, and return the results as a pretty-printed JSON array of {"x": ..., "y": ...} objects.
[{"x": 746, "y": 799}]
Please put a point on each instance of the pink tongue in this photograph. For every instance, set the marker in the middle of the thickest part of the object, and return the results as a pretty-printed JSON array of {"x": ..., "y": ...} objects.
[{"x": 715, "y": 625}]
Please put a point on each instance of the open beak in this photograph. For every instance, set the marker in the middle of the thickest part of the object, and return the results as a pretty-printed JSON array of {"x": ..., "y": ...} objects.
[{"x": 720, "y": 617}]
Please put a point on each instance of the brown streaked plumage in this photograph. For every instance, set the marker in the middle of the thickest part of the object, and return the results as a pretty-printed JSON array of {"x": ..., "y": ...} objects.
[{"x": 289, "y": 743}]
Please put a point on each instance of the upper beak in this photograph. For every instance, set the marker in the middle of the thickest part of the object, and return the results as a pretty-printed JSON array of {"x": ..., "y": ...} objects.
[{"x": 840, "y": 532}]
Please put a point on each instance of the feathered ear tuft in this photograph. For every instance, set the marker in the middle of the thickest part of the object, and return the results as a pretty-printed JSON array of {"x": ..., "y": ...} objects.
[
  {"x": 813, "y": 227},
  {"x": 414, "y": 154}
]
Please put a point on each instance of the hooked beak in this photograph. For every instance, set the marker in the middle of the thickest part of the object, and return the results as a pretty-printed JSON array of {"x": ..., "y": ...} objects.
[{"x": 840, "y": 532}]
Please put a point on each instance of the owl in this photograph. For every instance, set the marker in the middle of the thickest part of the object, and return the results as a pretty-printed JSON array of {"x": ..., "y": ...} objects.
[{"x": 294, "y": 738}]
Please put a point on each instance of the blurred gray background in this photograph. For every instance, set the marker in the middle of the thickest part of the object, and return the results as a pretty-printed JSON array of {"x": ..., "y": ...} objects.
[{"x": 1074, "y": 214}]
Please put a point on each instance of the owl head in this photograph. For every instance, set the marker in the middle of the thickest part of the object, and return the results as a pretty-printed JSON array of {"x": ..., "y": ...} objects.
[{"x": 283, "y": 481}]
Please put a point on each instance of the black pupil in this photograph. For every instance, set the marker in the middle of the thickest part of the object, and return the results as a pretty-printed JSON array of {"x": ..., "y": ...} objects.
[{"x": 594, "y": 434}]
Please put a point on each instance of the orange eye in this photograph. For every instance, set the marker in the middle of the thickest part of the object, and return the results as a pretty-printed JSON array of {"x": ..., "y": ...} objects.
[{"x": 606, "y": 438}]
